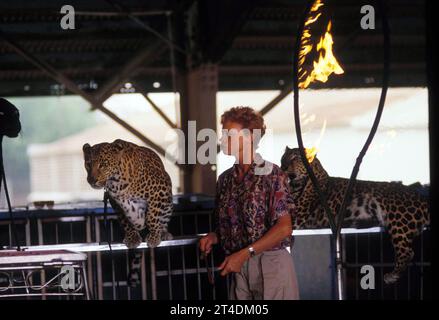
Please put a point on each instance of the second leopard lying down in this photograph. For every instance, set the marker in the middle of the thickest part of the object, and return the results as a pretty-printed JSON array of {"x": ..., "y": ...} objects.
[{"x": 399, "y": 208}]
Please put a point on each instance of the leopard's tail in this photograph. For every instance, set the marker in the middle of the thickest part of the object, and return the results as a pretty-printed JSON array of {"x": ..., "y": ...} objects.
[
  {"x": 135, "y": 262},
  {"x": 135, "y": 256}
]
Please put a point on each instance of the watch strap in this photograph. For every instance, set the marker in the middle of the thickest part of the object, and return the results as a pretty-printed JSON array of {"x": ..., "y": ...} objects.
[{"x": 252, "y": 251}]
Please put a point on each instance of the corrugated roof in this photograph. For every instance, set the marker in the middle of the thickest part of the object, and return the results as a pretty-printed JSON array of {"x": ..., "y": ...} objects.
[{"x": 251, "y": 40}]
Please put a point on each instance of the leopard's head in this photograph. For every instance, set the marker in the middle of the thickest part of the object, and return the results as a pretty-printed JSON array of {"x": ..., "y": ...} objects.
[
  {"x": 101, "y": 162},
  {"x": 292, "y": 164},
  {"x": 10, "y": 125}
]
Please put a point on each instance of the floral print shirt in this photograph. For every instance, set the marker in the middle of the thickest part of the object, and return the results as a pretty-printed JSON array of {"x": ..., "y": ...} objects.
[{"x": 246, "y": 210}]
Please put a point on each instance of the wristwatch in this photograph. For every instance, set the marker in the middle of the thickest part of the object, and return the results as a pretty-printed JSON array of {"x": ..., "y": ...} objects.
[{"x": 252, "y": 251}]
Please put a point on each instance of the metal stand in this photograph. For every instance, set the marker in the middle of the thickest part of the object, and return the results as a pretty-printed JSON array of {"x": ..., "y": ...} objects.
[{"x": 18, "y": 268}]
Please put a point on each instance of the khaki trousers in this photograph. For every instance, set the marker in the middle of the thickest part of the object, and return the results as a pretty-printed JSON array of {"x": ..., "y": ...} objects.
[{"x": 269, "y": 275}]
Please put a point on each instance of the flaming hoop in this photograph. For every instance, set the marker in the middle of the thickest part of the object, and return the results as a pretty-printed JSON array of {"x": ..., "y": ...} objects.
[{"x": 326, "y": 65}]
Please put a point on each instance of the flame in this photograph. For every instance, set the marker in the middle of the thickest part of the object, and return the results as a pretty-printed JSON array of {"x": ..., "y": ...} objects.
[
  {"x": 322, "y": 132},
  {"x": 309, "y": 119},
  {"x": 311, "y": 154},
  {"x": 326, "y": 63}
]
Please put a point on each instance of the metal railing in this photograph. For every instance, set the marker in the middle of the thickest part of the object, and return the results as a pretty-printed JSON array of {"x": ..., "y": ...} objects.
[
  {"x": 375, "y": 249},
  {"x": 80, "y": 227},
  {"x": 174, "y": 270},
  {"x": 150, "y": 274}
]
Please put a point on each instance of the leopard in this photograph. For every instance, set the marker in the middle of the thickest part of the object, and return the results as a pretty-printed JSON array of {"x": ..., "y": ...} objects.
[
  {"x": 399, "y": 209},
  {"x": 139, "y": 191}
]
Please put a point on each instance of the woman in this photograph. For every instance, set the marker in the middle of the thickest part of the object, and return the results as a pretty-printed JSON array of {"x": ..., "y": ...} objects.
[{"x": 253, "y": 215}]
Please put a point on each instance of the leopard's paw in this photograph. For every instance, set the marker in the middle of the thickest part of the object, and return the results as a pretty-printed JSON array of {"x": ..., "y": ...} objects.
[
  {"x": 153, "y": 239},
  {"x": 132, "y": 240}
]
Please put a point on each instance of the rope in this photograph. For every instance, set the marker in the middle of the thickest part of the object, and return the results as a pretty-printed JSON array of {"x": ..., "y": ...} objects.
[
  {"x": 106, "y": 197},
  {"x": 209, "y": 270}
]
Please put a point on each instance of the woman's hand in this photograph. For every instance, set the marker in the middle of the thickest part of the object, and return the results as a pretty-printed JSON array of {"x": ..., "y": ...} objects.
[
  {"x": 234, "y": 262},
  {"x": 207, "y": 242}
]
